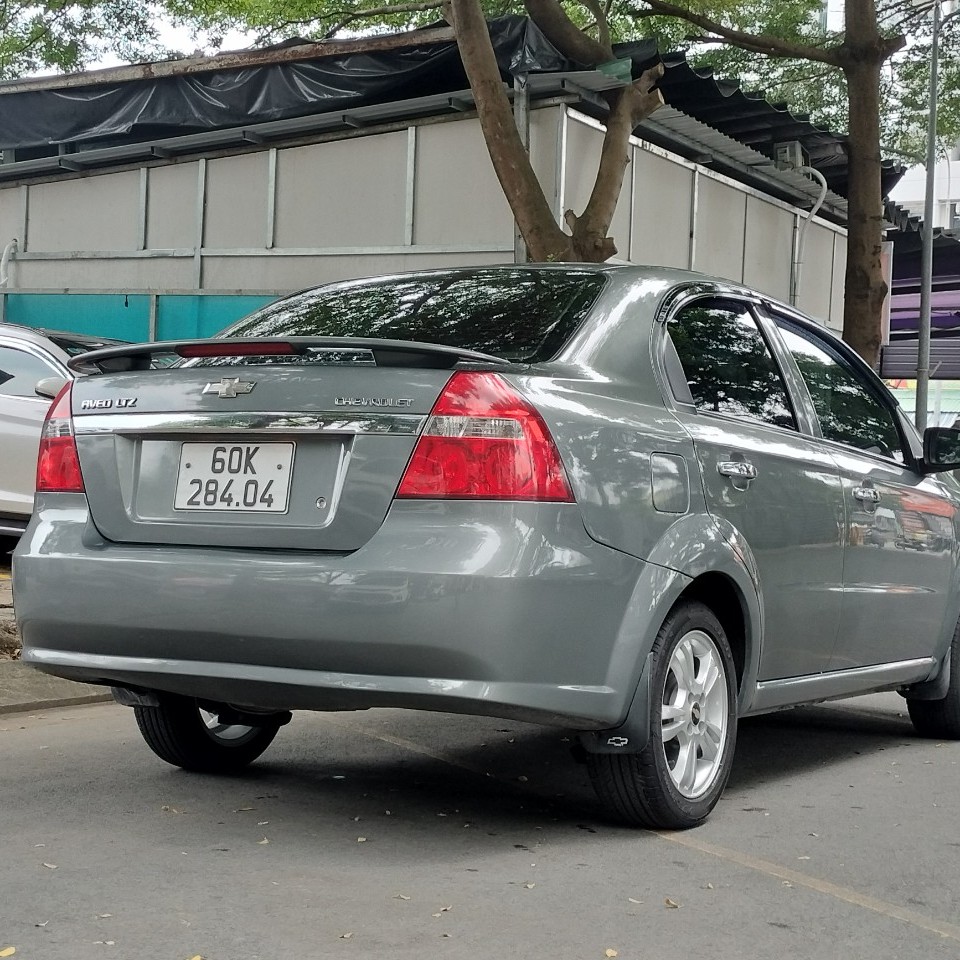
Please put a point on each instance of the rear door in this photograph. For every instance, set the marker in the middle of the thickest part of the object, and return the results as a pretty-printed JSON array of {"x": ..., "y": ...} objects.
[
  {"x": 777, "y": 489},
  {"x": 21, "y": 419},
  {"x": 899, "y": 535}
]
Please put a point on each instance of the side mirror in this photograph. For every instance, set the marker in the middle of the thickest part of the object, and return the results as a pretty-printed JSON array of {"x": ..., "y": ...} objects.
[
  {"x": 941, "y": 449},
  {"x": 49, "y": 387}
]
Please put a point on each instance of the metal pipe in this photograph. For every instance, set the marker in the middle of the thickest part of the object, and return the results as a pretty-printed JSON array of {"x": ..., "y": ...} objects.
[
  {"x": 8, "y": 251},
  {"x": 802, "y": 236},
  {"x": 926, "y": 258}
]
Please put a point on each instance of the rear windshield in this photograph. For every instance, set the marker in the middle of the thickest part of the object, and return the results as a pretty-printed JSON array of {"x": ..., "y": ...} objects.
[{"x": 520, "y": 315}]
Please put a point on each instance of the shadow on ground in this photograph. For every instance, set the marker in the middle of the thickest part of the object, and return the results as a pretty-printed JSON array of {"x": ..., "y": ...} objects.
[{"x": 488, "y": 778}]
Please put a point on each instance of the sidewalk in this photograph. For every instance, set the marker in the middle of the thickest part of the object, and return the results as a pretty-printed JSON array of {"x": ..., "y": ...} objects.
[{"x": 24, "y": 688}]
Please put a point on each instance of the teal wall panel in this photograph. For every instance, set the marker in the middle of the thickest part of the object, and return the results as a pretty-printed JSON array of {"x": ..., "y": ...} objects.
[
  {"x": 186, "y": 317},
  {"x": 127, "y": 317},
  {"x": 119, "y": 315}
]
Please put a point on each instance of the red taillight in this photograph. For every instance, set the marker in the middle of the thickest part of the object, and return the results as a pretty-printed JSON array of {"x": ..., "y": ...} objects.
[
  {"x": 58, "y": 465},
  {"x": 228, "y": 349},
  {"x": 484, "y": 441}
]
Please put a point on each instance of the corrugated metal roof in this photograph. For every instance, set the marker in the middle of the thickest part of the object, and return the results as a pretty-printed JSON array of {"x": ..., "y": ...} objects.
[
  {"x": 750, "y": 119},
  {"x": 669, "y": 123}
]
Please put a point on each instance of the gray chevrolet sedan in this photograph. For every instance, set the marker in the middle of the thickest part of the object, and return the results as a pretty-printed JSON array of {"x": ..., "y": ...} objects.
[{"x": 635, "y": 503}]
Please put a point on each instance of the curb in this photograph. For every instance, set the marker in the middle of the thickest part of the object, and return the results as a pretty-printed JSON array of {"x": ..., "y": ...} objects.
[{"x": 24, "y": 688}]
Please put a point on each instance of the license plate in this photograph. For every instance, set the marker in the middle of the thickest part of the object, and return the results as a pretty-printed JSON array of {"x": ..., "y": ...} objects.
[{"x": 234, "y": 477}]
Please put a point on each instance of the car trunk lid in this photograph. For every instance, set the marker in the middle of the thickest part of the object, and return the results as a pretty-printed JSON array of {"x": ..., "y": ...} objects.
[{"x": 304, "y": 454}]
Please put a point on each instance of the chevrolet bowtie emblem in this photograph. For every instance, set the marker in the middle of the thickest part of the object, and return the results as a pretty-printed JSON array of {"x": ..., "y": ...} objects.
[{"x": 229, "y": 387}]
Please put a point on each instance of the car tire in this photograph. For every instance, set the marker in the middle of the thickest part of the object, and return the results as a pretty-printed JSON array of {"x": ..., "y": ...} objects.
[
  {"x": 179, "y": 731},
  {"x": 940, "y": 719},
  {"x": 677, "y": 778}
]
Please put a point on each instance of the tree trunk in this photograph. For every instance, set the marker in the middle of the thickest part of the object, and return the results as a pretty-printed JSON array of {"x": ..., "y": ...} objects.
[
  {"x": 588, "y": 240},
  {"x": 544, "y": 238},
  {"x": 865, "y": 288},
  {"x": 627, "y": 108}
]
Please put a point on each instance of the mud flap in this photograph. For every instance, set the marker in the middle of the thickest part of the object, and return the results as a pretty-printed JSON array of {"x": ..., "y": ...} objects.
[
  {"x": 630, "y": 736},
  {"x": 935, "y": 689}
]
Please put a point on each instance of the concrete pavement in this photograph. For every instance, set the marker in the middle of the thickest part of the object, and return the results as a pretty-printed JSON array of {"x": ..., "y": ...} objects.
[{"x": 397, "y": 835}]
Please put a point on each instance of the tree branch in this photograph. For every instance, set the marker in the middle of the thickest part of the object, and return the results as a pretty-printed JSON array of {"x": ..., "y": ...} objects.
[
  {"x": 603, "y": 27},
  {"x": 630, "y": 106},
  {"x": 756, "y": 43},
  {"x": 565, "y": 35},
  {"x": 348, "y": 17}
]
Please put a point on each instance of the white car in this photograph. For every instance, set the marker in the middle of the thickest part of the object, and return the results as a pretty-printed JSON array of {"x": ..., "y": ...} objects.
[{"x": 27, "y": 356}]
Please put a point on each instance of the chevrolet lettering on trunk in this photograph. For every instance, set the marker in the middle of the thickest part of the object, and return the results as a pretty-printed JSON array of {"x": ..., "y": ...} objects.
[{"x": 372, "y": 402}]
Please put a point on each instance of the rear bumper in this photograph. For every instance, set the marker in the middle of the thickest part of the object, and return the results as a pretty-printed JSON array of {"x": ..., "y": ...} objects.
[{"x": 503, "y": 609}]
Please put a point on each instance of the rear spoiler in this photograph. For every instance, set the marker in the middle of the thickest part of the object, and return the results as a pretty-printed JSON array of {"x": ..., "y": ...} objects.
[{"x": 385, "y": 353}]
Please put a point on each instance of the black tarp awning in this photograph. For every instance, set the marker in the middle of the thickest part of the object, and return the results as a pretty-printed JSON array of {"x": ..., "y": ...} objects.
[{"x": 39, "y": 121}]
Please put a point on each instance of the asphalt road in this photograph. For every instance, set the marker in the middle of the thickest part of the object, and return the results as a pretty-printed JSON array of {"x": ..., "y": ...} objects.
[{"x": 389, "y": 834}]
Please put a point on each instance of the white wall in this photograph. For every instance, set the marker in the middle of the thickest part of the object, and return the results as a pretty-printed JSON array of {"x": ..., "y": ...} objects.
[{"x": 273, "y": 220}]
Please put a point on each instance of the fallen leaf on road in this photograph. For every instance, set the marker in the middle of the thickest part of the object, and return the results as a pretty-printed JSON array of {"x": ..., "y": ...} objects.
[
  {"x": 166, "y": 809},
  {"x": 262, "y": 842},
  {"x": 610, "y": 952},
  {"x": 50, "y": 866},
  {"x": 672, "y": 904},
  {"x": 197, "y": 957},
  {"x": 529, "y": 886},
  {"x": 401, "y": 896},
  {"x": 361, "y": 839},
  {"x": 8, "y": 951},
  {"x": 634, "y": 901},
  {"x": 45, "y": 922},
  {"x": 104, "y": 916},
  {"x": 345, "y": 936},
  {"x": 262, "y": 823},
  {"x": 242, "y": 809}
]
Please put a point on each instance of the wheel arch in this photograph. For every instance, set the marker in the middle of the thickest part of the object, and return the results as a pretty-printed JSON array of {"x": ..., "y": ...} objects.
[
  {"x": 720, "y": 593},
  {"x": 719, "y": 571}
]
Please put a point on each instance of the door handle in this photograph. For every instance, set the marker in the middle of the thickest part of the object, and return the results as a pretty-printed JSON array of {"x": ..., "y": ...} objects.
[
  {"x": 738, "y": 469},
  {"x": 866, "y": 494}
]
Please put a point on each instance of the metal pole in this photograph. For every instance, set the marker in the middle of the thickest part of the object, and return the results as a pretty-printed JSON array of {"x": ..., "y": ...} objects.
[
  {"x": 521, "y": 113},
  {"x": 926, "y": 259}
]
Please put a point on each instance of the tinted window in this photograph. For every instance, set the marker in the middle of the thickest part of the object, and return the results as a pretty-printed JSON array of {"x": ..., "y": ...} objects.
[
  {"x": 727, "y": 363},
  {"x": 20, "y": 371},
  {"x": 848, "y": 410},
  {"x": 515, "y": 314}
]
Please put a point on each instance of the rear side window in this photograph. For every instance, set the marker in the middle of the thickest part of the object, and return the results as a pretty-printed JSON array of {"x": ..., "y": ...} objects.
[
  {"x": 727, "y": 365},
  {"x": 848, "y": 410},
  {"x": 520, "y": 315}
]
